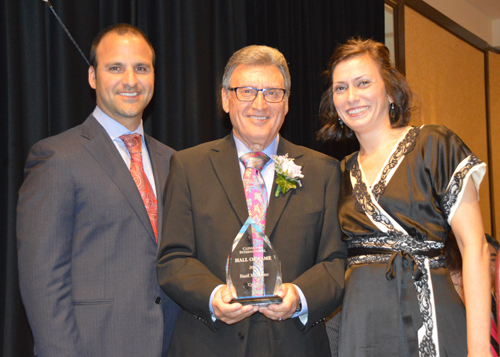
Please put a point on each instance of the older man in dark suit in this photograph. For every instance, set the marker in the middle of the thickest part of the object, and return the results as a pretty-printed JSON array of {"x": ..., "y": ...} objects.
[
  {"x": 207, "y": 202},
  {"x": 88, "y": 218}
]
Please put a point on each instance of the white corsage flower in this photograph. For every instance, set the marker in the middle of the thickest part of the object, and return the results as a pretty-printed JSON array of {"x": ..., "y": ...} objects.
[{"x": 287, "y": 172}]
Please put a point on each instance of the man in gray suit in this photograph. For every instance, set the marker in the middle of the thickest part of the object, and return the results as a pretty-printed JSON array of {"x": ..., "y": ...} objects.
[
  {"x": 206, "y": 205},
  {"x": 87, "y": 243}
]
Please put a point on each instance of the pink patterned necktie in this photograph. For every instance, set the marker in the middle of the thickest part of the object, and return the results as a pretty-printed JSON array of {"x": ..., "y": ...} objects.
[
  {"x": 257, "y": 202},
  {"x": 133, "y": 142}
]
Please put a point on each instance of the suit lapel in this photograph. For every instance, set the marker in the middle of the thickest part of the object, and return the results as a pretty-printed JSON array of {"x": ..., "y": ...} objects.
[
  {"x": 225, "y": 162},
  {"x": 278, "y": 204},
  {"x": 224, "y": 158},
  {"x": 103, "y": 150}
]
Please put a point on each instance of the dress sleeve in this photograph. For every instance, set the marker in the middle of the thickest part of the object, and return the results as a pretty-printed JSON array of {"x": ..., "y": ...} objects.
[{"x": 451, "y": 165}]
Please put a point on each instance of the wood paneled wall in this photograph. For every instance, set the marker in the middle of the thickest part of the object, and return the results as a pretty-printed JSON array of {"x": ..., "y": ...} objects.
[
  {"x": 448, "y": 75},
  {"x": 494, "y": 134}
]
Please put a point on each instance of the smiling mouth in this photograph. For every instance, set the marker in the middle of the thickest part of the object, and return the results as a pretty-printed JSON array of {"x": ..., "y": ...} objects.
[
  {"x": 132, "y": 94},
  {"x": 356, "y": 110},
  {"x": 258, "y": 117}
]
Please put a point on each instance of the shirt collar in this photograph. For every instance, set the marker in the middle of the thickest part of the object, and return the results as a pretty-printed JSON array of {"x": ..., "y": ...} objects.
[
  {"x": 270, "y": 151},
  {"x": 112, "y": 127}
]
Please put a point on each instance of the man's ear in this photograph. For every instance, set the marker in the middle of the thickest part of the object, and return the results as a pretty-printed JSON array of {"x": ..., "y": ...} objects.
[
  {"x": 225, "y": 99},
  {"x": 92, "y": 78}
]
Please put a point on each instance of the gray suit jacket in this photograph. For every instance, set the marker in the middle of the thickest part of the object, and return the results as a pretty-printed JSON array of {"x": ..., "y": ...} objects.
[
  {"x": 87, "y": 250},
  {"x": 204, "y": 209}
]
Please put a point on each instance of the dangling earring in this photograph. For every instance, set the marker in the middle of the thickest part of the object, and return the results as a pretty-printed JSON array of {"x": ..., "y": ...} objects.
[
  {"x": 392, "y": 111},
  {"x": 341, "y": 123}
]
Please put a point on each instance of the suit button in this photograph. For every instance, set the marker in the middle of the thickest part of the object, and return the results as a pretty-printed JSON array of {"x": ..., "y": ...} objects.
[
  {"x": 242, "y": 336},
  {"x": 158, "y": 300}
]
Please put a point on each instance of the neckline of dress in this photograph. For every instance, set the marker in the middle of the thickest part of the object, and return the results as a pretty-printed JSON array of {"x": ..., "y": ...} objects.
[{"x": 386, "y": 162}]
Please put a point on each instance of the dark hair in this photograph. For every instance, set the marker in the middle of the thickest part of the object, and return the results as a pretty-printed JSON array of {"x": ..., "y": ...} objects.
[
  {"x": 255, "y": 55},
  {"x": 395, "y": 85},
  {"x": 452, "y": 255},
  {"x": 493, "y": 242},
  {"x": 121, "y": 30}
]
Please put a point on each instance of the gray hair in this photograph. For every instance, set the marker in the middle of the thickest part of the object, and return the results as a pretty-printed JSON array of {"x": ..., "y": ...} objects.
[{"x": 257, "y": 56}]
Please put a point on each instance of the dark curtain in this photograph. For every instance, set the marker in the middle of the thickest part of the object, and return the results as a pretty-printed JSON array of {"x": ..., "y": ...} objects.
[{"x": 45, "y": 89}]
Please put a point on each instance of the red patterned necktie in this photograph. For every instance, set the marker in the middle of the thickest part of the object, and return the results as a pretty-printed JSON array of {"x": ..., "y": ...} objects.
[
  {"x": 133, "y": 142},
  {"x": 257, "y": 202}
]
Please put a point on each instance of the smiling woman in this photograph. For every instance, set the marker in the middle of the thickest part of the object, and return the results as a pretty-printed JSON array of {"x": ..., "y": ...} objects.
[
  {"x": 359, "y": 95},
  {"x": 400, "y": 195}
]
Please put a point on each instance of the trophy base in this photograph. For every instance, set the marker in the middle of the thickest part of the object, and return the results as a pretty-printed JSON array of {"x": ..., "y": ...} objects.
[{"x": 258, "y": 301}]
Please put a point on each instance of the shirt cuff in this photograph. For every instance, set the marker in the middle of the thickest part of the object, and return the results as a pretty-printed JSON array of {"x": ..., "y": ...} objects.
[
  {"x": 210, "y": 302},
  {"x": 302, "y": 314}
]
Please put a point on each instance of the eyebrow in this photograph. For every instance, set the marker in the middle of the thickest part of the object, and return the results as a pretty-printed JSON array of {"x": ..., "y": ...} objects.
[
  {"x": 114, "y": 64},
  {"x": 144, "y": 64},
  {"x": 356, "y": 78}
]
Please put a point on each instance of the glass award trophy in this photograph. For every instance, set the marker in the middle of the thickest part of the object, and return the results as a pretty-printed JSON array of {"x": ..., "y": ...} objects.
[{"x": 253, "y": 270}]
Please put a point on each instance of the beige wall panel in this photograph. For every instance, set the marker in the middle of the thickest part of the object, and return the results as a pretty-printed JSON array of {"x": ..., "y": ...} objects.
[
  {"x": 494, "y": 82},
  {"x": 447, "y": 74}
]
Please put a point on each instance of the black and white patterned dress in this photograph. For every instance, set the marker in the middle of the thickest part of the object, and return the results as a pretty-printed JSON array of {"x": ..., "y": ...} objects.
[{"x": 399, "y": 299}]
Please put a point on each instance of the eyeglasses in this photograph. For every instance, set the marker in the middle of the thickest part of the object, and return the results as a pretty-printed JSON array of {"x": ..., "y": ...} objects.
[{"x": 248, "y": 94}]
